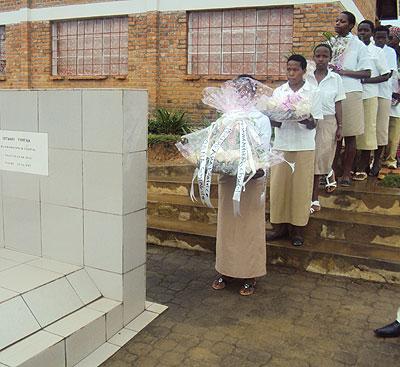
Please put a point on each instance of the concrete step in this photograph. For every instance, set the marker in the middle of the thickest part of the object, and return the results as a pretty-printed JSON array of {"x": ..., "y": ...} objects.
[{"x": 329, "y": 223}]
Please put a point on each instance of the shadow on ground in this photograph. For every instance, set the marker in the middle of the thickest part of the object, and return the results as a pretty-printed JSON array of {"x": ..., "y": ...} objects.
[{"x": 295, "y": 319}]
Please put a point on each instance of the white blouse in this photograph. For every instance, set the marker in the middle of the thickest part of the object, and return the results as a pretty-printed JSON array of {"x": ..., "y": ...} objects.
[
  {"x": 292, "y": 136},
  {"x": 385, "y": 89}
]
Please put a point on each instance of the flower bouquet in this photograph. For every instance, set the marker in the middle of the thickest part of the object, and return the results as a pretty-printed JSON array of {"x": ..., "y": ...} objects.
[
  {"x": 339, "y": 47},
  {"x": 236, "y": 144}
]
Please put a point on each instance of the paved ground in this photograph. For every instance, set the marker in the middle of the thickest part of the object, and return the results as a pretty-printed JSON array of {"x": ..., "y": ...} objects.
[{"x": 295, "y": 319}]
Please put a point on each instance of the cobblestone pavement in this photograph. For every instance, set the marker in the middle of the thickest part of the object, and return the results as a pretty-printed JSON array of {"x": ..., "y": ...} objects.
[{"x": 295, "y": 319}]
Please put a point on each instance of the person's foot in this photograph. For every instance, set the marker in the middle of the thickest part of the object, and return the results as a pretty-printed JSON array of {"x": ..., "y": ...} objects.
[
  {"x": 279, "y": 231},
  {"x": 220, "y": 282},
  {"x": 389, "y": 331},
  {"x": 248, "y": 287},
  {"x": 374, "y": 171},
  {"x": 297, "y": 236},
  {"x": 345, "y": 181}
]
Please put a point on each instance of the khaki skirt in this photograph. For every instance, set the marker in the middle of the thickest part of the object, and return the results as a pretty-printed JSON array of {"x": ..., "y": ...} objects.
[
  {"x": 353, "y": 114},
  {"x": 367, "y": 141},
  {"x": 291, "y": 193},
  {"x": 325, "y": 145},
  {"x": 382, "y": 121},
  {"x": 241, "y": 248}
]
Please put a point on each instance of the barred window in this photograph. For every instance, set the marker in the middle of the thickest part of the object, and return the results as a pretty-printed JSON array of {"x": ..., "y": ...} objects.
[
  {"x": 240, "y": 41},
  {"x": 90, "y": 47},
  {"x": 2, "y": 50}
]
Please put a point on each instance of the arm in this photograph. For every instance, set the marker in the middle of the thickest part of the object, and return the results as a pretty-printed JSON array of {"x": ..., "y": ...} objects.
[
  {"x": 362, "y": 74},
  {"x": 338, "y": 114},
  {"x": 276, "y": 123},
  {"x": 377, "y": 79}
]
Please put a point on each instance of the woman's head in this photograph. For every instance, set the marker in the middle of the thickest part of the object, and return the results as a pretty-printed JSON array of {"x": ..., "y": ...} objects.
[
  {"x": 322, "y": 55},
  {"x": 296, "y": 68},
  {"x": 345, "y": 23},
  {"x": 365, "y": 31}
]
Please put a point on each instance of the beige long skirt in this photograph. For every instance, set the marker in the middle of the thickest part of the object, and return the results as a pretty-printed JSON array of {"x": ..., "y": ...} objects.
[
  {"x": 367, "y": 141},
  {"x": 290, "y": 193},
  {"x": 353, "y": 114},
  {"x": 325, "y": 145},
  {"x": 382, "y": 121},
  {"x": 241, "y": 248}
]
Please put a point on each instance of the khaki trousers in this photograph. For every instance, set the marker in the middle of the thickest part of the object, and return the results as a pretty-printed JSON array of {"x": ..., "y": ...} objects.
[{"x": 394, "y": 140}]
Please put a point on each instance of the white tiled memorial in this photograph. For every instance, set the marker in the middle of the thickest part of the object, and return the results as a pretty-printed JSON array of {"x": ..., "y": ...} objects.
[{"x": 72, "y": 243}]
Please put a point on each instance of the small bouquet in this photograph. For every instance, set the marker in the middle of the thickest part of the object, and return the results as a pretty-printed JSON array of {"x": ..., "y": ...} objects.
[
  {"x": 236, "y": 144},
  {"x": 339, "y": 47}
]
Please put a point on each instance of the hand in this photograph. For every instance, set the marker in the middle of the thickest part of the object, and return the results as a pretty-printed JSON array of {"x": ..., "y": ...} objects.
[
  {"x": 276, "y": 123},
  {"x": 339, "y": 133},
  {"x": 335, "y": 69},
  {"x": 310, "y": 123},
  {"x": 396, "y": 96},
  {"x": 259, "y": 173}
]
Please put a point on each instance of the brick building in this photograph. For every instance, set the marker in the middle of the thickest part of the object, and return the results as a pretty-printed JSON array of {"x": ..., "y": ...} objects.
[{"x": 172, "y": 48}]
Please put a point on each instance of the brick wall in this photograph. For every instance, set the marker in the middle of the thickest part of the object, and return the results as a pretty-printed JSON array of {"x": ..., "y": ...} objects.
[{"x": 157, "y": 55}]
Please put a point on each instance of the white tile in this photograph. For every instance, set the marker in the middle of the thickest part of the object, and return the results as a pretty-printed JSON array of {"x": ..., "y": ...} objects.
[
  {"x": 52, "y": 301},
  {"x": 15, "y": 118},
  {"x": 135, "y": 104},
  {"x": 17, "y": 256},
  {"x": 55, "y": 266},
  {"x": 23, "y": 278},
  {"x": 83, "y": 342},
  {"x": 102, "y": 182},
  {"x": 74, "y": 322},
  {"x": 109, "y": 284},
  {"x": 157, "y": 308},
  {"x": 53, "y": 356},
  {"x": 60, "y": 115},
  {"x": 6, "y": 294},
  {"x": 122, "y": 337},
  {"x": 134, "y": 288},
  {"x": 147, "y": 304},
  {"x": 18, "y": 214},
  {"x": 31, "y": 347},
  {"x": 84, "y": 286},
  {"x": 21, "y": 185},
  {"x": 102, "y": 120},
  {"x": 142, "y": 321},
  {"x": 6, "y": 264},
  {"x": 134, "y": 237},
  {"x": 104, "y": 305},
  {"x": 16, "y": 321},
  {"x": 135, "y": 178},
  {"x": 62, "y": 233},
  {"x": 63, "y": 186},
  {"x": 103, "y": 241},
  {"x": 99, "y": 356}
]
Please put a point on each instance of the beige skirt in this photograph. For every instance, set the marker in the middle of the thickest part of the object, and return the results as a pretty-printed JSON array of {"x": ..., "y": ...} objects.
[
  {"x": 241, "y": 248},
  {"x": 290, "y": 193},
  {"x": 382, "y": 121},
  {"x": 325, "y": 145},
  {"x": 353, "y": 114},
  {"x": 367, "y": 141}
]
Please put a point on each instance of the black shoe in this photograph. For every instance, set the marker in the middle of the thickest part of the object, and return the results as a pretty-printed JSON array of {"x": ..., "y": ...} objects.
[
  {"x": 389, "y": 331},
  {"x": 297, "y": 241},
  {"x": 279, "y": 231},
  {"x": 374, "y": 171}
]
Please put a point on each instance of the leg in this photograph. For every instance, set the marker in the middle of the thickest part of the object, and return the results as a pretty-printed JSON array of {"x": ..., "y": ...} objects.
[
  {"x": 336, "y": 160},
  {"x": 297, "y": 235},
  {"x": 394, "y": 140},
  {"x": 377, "y": 161},
  {"x": 315, "y": 205},
  {"x": 280, "y": 230},
  {"x": 349, "y": 155},
  {"x": 362, "y": 166}
]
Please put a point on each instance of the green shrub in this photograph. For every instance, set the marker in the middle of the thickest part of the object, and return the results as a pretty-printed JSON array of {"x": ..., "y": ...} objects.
[
  {"x": 169, "y": 123},
  {"x": 154, "y": 139},
  {"x": 391, "y": 181}
]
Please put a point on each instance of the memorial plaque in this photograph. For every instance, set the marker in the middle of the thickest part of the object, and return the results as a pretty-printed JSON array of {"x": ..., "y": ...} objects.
[{"x": 26, "y": 152}]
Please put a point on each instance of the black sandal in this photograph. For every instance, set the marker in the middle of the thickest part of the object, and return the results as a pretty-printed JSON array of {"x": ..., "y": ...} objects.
[
  {"x": 219, "y": 282},
  {"x": 248, "y": 288}
]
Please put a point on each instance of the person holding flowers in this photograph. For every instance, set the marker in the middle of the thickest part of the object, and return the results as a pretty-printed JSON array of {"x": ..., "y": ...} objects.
[
  {"x": 352, "y": 62},
  {"x": 291, "y": 191}
]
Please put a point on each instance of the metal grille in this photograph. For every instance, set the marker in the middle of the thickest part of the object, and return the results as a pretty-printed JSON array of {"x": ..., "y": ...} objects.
[
  {"x": 2, "y": 50},
  {"x": 240, "y": 41},
  {"x": 90, "y": 47}
]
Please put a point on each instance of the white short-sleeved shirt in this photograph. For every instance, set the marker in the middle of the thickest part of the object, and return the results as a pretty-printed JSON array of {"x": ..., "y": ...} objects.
[
  {"x": 356, "y": 58},
  {"x": 331, "y": 90},
  {"x": 395, "y": 110},
  {"x": 385, "y": 89},
  {"x": 379, "y": 67},
  {"x": 292, "y": 136}
]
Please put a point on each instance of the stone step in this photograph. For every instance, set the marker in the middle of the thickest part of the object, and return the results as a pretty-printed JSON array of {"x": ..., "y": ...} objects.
[
  {"x": 323, "y": 255},
  {"x": 327, "y": 224}
]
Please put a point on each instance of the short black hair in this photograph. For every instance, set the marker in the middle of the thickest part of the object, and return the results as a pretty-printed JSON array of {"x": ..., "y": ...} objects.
[
  {"x": 382, "y": 28},
  {"x": 299, "y": 58},
  {"x": 324, "y": 45},
  {"x": 246, "y": 76},
  {"x": 350, "y": 16},
  {"x": 370, "y": 23}
]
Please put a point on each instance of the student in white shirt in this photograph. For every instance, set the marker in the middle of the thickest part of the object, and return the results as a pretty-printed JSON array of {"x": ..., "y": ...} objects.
[
  {"x": 355, "y": 66},
  {"x": 329, "y": 129},
  {"x": 290, "y": 192},
  {"x": 381, "y": 38},
  {"x": 380, "y": 74}
]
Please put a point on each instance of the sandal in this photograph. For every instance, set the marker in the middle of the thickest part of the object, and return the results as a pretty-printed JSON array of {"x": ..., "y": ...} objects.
[
  {"x": 248, "y": 288},
  {"x": 219, "y": 282},
  {"x": 315, "y": 207},
  {"x": 360, "y": 176},
  {"x": 330, "y": 186}
]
